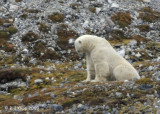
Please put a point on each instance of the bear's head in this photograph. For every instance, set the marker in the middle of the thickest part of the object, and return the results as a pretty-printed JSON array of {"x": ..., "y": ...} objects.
[{"x": 79, "y": 48}]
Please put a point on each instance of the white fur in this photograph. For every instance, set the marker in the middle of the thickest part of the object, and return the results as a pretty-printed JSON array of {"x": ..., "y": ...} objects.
[{"x": 103, "y": 62}]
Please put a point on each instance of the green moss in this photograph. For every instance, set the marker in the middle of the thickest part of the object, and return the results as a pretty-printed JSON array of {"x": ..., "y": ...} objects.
[
  {"x": 61, "y": 1},
  {"x": 56, "y": 17},
  {"x": 77, "y": 77},
  {"x": 122, "y": 19},
  {"x": 144, "y": 54},
  {"x": 117, "y": 35},
  {"x": 92, "y": 9},
  {"x": 64, "y": 34},
  {"x": 33, "y": 11},
  {"x": 70, "y": 102},
  {"x": 39, "y": 48},
  {"x": 12, "y": 30},
  {"x": 143, "y": 28},
  {"x": 11, "y": 74},
  {"x": 4, "y": 35},
  {"x": 50, "y": 54},
  {"x": 1, "y": 22},
  {"x": 37, "y": 99},
  {"x": 24, "y": 15},
  {"x": 30, "y": 37},
  {"x": 10, "y": 102},
  {"x": 144, "y": 81},
  {"x": 19, "y": 0},
  {"x": 139, "y": 38},
  {"x": 8, "y": 47},
  {"x": 153, "y": 46},
  {"x": 149, "y": 15},
  {"x": 43, "y": 27}
]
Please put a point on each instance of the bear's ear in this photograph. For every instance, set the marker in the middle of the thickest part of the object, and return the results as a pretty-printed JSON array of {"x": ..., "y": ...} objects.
[{"x": 80, "y": 42}]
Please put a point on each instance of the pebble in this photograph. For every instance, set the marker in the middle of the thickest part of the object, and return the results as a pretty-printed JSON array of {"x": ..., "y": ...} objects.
[
  {"x": 25, "y": 51},
  {"x": 133, "y": 43},
  {"x": 145, "y": 87},
  {"x": 38, "y": 81},
  {"x": 118, "y": 94},
  {"x": 147, "y": 1},
  {"x": 52, "y": 95},
  {"x": 138, "y": 55},
  {"x": 114, "y": 5},
  {"x": 13, "y": 8},
  {"x": 56, "y": 107}
]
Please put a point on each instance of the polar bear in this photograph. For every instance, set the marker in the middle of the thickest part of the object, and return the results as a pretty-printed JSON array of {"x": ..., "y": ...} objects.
[{"x": 103, "y": 62}]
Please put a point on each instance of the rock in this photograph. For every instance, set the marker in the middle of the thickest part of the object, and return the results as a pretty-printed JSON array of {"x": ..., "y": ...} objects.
[
  {"x": 118, "y": 94},
  {"x": 133, "y": 43},
  {"x": 33, "y": 61},
  {"x": 98, "y": 10},
  {"x": 158, "y": 77},
  {"x": 138, "y": 55},
  {"x": 78, "y": 65},
  {"x": 47, "y": 79},
  {"x": 85, "y": 24},
  {"x": 35, "y": 94},
  {"x": 110, "y": 1},
  {"x": 6, "y": 24},
  {"x": 150, "y": 68},
  {"x": 71, "y": 41},
  {"x": 81, "y": 107},
  {"x": 38, "y": 81},
  {"x": 52, "y": 95},
  {"x": 115, "y": 5},
  {"x": 4, "y": 93},
  {"x": 147, "y": 1},
  {"x": 145, "y": 87},
  {"x": 117, "y": 45},
  {"x": 44, "y": 89},
  {"x": 56, "y": 107},
  {"x": 25, "y": 51},
  {"x": 15, "y": 97},
  {"x": 13, "y": 7},
  {"x": 44, "y": 106},
  {"x": 5, "y": 0},
  {"x": 122, "y": 52},
  {"x": 110, "y": 22}
]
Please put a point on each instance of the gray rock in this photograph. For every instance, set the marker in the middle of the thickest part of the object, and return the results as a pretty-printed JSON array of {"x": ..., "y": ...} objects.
[
  {"x": 118, "y": 94},
  {"x": 138, "y": 55},
  {"x": 133, "y": 43},
  {"x": 6, "y": 24},
  {"x": 25, "y": 51},
  {"x": 38, "y": 81},
  {"x": 110, "y": 22},
  {"x": 52, "y": 95},
  {"x": 147, "y": 1},
  {"x": 44, "y": 89},
  {"x": 158, "y": 77},
  {"x": 56, "y": 107},
  {"x": 15, "y": 97},
  {"x": 44, "y": 106},
  {"x": 115, "y": 5}
]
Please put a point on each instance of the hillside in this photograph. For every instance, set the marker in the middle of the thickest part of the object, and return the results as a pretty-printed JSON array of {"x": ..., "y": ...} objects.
[{"x": 41, "y": 72}]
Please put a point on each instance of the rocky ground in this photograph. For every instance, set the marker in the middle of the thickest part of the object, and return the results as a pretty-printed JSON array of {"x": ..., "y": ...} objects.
[{"x": 41, "y": 72}]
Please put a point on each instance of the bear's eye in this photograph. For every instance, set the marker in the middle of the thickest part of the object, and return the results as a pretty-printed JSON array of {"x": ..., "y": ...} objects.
[{"x": 80, "y": 42}]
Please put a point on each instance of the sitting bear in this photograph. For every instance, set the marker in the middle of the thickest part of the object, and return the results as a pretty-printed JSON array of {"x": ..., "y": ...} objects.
[{"x": 103, "y": 62}]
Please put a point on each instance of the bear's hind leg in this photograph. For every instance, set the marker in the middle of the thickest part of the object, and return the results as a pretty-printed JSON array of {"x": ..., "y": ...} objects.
[{"x": 124, "y": 72}]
